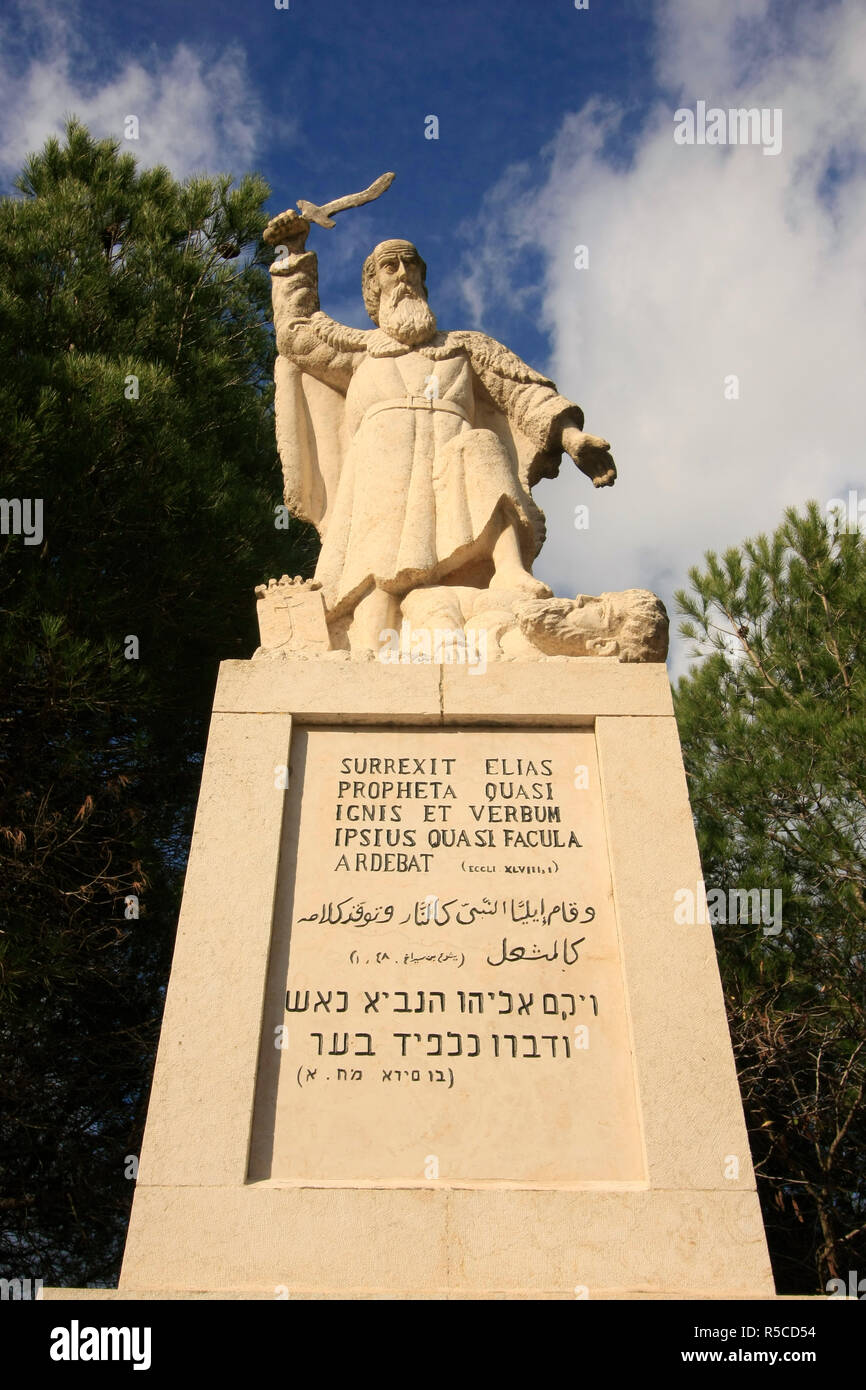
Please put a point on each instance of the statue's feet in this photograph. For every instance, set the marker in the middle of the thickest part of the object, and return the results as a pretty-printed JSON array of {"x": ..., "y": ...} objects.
[{"x": 519, "y": 581}]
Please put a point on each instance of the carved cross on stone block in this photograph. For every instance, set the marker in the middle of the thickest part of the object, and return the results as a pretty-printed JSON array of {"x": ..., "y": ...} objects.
[{"x": 291, "y": 615}]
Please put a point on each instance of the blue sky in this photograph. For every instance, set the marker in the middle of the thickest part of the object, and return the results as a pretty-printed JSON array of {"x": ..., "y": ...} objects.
[
  {"x": 555, "y": 129},
  {"x": 339, "y": 91}
]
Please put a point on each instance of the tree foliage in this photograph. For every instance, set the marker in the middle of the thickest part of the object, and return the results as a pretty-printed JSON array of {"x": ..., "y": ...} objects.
[
  {"x": 136, "y": 404},
  {"x": 773, "y": 725}
]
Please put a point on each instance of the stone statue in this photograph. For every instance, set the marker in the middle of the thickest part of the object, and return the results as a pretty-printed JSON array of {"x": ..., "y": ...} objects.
[{"x": 414, "y": 452}]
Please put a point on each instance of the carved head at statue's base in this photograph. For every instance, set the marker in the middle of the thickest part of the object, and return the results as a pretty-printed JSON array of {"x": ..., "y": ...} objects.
[{"x": 631, "y": 625}]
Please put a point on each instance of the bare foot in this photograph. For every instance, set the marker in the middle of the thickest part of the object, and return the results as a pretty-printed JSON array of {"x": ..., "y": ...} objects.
[{"x": 520, "y": 581}]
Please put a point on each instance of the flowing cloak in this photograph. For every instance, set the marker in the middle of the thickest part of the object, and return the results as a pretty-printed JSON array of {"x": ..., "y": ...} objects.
[{"x": 389, "y": 513}]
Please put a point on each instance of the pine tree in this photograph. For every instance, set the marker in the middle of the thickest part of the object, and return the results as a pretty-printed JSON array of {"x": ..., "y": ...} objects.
[
  {"x": 773, "y": 724},
  {"x": 136, "y": 408}
]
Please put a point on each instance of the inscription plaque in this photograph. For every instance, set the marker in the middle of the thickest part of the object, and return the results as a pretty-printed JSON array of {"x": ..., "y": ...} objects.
[{"x": 445, "y": 996}]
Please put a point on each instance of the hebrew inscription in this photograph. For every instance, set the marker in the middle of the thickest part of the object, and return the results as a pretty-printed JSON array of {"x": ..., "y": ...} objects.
[{"x": 445, "y": 997}]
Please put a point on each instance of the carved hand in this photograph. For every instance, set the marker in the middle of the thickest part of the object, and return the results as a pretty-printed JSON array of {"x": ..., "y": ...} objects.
[
  {"x": 288, "y": 229},
  {"x": 591, "y": 454}
]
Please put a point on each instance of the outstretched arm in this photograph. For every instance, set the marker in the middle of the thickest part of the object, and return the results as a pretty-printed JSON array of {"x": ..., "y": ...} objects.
[
  {"x": 302, "y": 330},
  {"x": 532, "y": 403}
]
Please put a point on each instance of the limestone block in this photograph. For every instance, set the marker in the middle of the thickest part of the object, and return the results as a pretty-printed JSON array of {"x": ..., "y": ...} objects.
[{"x": 291, "y": 614}]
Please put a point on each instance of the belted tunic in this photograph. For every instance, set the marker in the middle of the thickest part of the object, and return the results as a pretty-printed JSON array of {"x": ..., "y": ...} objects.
[{"x": 424, "y": 487}]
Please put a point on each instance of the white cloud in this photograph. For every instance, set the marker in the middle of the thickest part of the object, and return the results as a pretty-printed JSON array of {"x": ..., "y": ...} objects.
[
  {"x": 704, "y": 262},
  {"x": 195, "y": 107}
]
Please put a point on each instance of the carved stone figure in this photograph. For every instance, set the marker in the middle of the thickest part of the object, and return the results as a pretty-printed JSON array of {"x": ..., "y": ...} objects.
[{"x": 413, "y": 451}]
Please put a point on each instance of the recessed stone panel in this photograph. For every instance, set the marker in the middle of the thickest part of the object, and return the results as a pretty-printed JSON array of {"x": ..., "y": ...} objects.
[{"x": 445, "y": 997}]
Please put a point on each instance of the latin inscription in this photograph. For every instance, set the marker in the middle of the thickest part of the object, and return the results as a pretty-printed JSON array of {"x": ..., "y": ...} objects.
[{"x": 445, "y": 989}]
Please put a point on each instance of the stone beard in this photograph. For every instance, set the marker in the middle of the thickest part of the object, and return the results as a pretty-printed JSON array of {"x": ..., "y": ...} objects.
[{"x": 407, "y": 316}]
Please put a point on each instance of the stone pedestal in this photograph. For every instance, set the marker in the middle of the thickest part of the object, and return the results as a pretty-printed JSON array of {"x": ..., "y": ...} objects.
[{"x": 432, "y": 1029}]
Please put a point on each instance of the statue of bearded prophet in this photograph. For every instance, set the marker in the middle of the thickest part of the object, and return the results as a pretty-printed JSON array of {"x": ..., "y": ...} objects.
[{"x": 413, "y": 451}]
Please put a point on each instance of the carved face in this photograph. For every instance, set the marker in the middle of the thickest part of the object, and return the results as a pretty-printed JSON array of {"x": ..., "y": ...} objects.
[
  {"x": 593, "y": 620},
  {"x": 632, "y": 624},
  {"x": 399, "y": 272},
  {"x": 403, "y": 308}
]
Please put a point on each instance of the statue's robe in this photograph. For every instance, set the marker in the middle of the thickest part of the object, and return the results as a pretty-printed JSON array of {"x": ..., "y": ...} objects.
[{"x": 406, "y": 458}]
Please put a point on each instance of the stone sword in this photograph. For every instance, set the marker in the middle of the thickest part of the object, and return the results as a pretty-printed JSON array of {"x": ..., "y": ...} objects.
[{"x": 279, "y": 225}]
